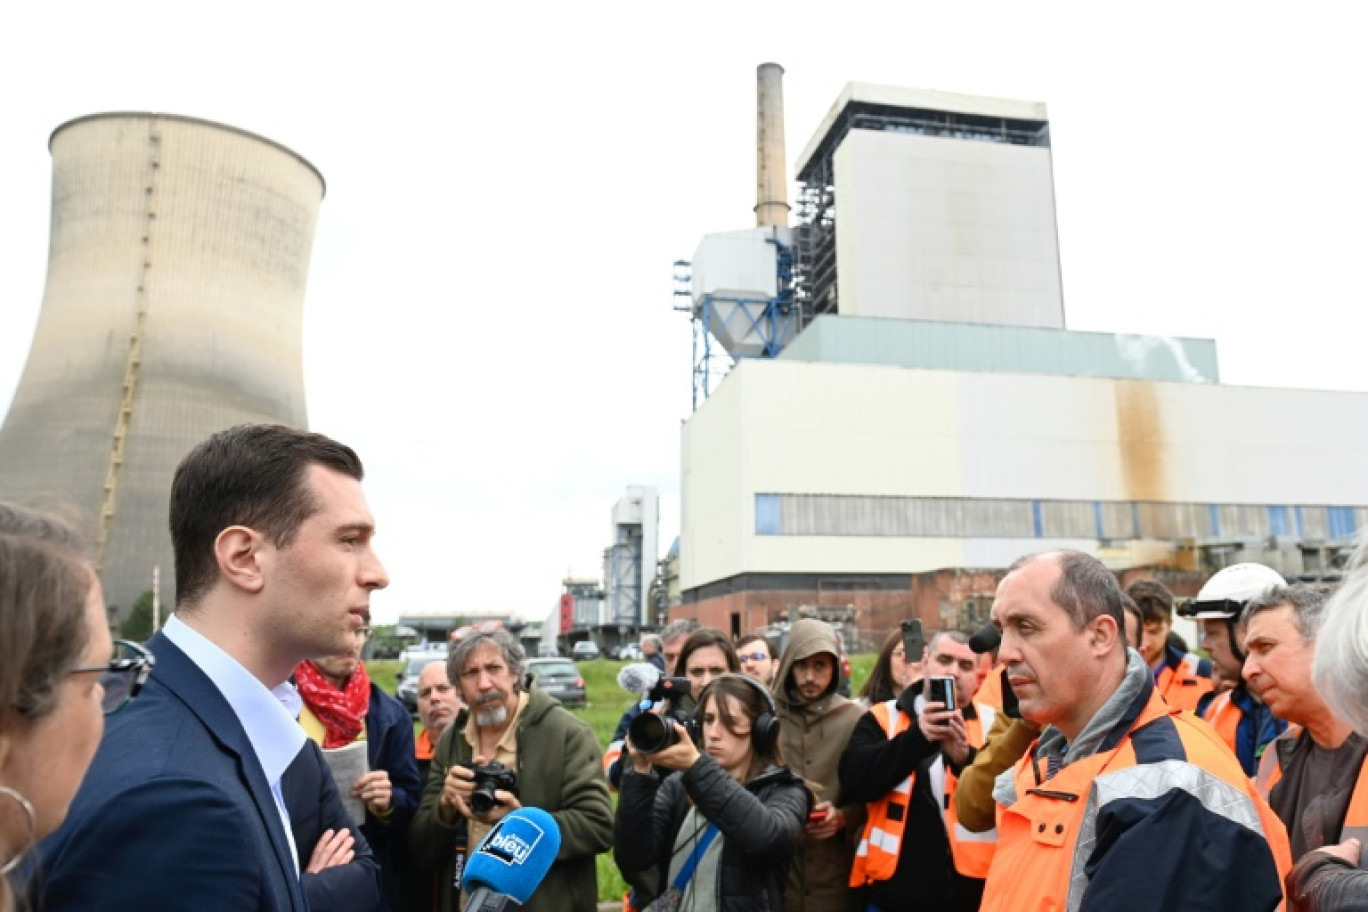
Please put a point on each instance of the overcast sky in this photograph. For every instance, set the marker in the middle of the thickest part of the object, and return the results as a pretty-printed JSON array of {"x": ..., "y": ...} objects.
[{"x": 488, "y": 319}]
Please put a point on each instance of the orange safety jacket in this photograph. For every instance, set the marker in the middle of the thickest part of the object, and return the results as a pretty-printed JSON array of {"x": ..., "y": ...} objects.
[
  {"x": 1355, "y": 818},
  {"x": 972, "y": 852},
  {"x": 1224, "y": 716},
  {"x": 1186, "y": 684},
  {"x": 1048, "y": 853},
  {"x": 876, "y": 857}
]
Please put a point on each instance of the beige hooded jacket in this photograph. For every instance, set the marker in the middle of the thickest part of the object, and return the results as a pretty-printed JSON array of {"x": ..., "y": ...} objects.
[{"x": 813, "y": 734}]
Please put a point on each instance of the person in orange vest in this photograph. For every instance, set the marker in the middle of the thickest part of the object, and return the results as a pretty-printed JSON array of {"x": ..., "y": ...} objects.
[
  {"x": 1314, "y": 774},
  {"x": 1123, "y": 802},
  {"x": 439, "y": 705},
  {"x": 1329, "y": 879},
  {"x": 1240, "y": 718},
  {"x": 1181, "y": 677},
  {"x": 902, "y": 760}
]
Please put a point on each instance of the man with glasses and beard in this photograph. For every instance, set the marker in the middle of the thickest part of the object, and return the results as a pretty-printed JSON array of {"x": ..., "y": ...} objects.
[{"x": 555, "y": 762}]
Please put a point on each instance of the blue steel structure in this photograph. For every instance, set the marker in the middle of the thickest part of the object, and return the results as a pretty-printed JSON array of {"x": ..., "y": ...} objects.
[{"x": 774, "y": 320}]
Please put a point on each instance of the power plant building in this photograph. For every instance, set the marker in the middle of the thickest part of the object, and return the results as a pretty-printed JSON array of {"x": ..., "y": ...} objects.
[
  {"x": 173, "y": 308},
  {"x": 931, "y": 419}
]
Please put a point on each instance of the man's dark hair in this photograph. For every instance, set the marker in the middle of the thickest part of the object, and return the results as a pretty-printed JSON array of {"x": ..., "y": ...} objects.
[
  {"x": 1129, "y": 606},
  {"x": 252, "y": 475},
  {"x": 1154, "y": 599},
  {"x": 706, "y": 636},
  {"x": 758, "y": 638},
  {"x": 1085, "y": 590}
]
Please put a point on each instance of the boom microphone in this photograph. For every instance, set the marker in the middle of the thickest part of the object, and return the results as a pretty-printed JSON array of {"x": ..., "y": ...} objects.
[
  {"x": 511, "y": 861},
  {"x": 985, "y": 639},
  {"x": 638, "y": 678}
]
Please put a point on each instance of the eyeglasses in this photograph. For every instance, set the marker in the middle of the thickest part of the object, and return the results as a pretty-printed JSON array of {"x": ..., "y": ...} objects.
[
  {"x": 753, "y": 656},
  {"x": 123, "y": 677},
  {"x": 363, "y": 632}
]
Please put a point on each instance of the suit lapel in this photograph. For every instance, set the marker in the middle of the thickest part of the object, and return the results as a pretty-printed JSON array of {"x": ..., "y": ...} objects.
[{"x": 189, "y": 684}]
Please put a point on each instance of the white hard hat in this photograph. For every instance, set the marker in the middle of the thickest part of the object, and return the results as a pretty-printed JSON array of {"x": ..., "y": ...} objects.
[{"x": 1226, "y": 593}]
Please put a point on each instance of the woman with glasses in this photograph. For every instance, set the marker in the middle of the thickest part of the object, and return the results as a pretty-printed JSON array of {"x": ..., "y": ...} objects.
[{"x": 58, "y": 677}]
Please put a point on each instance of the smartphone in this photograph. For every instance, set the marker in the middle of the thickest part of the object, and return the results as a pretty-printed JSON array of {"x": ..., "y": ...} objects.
[
  {"x": 817, "y": 816},
  {"x": 914, "y": 641},
  {"x": 941, "y": 689}
]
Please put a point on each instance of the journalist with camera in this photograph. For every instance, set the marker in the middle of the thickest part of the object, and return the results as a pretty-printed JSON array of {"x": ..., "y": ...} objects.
[{"x": 519, "y": 748}]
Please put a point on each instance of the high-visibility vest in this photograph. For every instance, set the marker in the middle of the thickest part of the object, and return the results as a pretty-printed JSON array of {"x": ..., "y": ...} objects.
[
  {"x": 1185, "y": 685},
  {"x": 876, "y": 857},
  {"x": 1224, "y": 716},
  {"x": 1038, "y": 834},
  {"x": 990, "y": 691},
  {"x": 972, "y": 852},
  {"x": 1355, "y": 818}
]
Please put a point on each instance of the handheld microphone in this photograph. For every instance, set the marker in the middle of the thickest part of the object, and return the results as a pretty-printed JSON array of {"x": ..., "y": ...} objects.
[
  {"x": 511, "y": 861},
  {"x": 638, "y": 678}
]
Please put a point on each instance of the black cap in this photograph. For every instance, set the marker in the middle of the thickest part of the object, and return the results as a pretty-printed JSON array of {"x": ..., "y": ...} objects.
[{"x": 985, "y": 640}]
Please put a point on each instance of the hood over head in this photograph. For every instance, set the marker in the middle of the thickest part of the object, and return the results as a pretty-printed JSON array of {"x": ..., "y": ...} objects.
[{"x": 807, "y": 638}]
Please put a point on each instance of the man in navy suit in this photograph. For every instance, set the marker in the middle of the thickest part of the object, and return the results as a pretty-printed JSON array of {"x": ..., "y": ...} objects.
[{"x": 185, "y": 807}]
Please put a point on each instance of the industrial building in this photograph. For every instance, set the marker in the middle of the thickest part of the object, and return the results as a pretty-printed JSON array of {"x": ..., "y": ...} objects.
[
  {"x": 173, "y": 308},
  {"x": 908, "y": 413}
]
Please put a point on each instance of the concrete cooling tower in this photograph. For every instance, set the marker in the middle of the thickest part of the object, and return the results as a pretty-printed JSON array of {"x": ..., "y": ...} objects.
[{"x": 173, "y": 308}]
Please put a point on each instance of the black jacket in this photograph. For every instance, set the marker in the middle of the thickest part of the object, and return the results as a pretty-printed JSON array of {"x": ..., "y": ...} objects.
[
  {"x": 871, "y": 767},
  {"x": 760, "y": 825}
]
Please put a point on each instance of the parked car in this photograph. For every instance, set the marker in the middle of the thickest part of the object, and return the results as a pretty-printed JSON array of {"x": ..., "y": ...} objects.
[
  {"x": 560, "y": 678},
  {"x": 584, "y": 649},
  {"x": 629, "y": 652},
  {"x": 407, "y": 691}
]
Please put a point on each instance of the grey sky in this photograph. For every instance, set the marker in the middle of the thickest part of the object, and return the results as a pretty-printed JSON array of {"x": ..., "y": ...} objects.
[{"x": 488, "y": 316}]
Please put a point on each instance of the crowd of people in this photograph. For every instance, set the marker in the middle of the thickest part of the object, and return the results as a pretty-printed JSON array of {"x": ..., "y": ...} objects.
[{"x": 1071, "y": 755}]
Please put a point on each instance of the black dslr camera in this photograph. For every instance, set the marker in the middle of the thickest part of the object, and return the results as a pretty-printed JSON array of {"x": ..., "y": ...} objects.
[
  {"x": 488, "y": 778},
  {"x": 650, "y": 732}
]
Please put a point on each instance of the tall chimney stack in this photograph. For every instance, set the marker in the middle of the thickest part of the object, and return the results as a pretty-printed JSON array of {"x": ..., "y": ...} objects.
[{"x": 771, "y": 183}]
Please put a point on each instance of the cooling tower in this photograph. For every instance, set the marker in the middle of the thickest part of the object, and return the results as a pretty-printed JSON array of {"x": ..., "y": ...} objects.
[{"x": 173, "y": 308}]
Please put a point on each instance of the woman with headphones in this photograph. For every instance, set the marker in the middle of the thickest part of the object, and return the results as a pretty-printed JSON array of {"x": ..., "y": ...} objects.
[{"x": 718, "y": 833}]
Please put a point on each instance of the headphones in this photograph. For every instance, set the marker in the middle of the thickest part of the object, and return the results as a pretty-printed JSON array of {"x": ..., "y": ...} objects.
[{"x": 765, "y": 729}]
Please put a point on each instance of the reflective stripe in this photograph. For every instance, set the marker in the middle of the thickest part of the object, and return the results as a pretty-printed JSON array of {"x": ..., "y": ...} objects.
[
  {"x": 889, "y": 842},
  {"x": 963, "y": 835},
  {"x": 877, "y": 855}
]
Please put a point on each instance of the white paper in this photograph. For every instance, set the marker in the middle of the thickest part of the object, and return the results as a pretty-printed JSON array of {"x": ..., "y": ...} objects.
[{"x": 347, "y": 765}]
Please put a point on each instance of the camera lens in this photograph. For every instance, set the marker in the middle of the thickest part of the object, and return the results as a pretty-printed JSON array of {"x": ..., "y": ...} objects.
[
  {"x": 482, "y": 799},
  {"x": 650, "y": 733}
]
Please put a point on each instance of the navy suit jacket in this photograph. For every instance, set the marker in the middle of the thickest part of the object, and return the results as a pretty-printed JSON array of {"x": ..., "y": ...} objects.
[
  {"x": 175, "y": 812},
  {"x": 314, "y": 805}
]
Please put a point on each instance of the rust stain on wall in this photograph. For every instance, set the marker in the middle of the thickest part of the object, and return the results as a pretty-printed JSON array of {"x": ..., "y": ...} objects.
[{"x": 1139, "y": 425}]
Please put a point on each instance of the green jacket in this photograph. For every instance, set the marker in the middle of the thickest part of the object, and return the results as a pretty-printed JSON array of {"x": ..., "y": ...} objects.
[{"x": 560, "y": 770}]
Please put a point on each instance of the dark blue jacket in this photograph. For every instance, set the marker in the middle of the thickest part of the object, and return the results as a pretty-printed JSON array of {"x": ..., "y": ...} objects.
[
  {"x": 174, "y": 813},
  {"x": 312, "y": 799},
  {"x": 389, "y": 747}
]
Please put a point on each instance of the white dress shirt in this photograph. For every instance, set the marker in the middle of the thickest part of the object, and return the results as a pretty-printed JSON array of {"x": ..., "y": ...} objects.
[{"x": 266, "y": 715}]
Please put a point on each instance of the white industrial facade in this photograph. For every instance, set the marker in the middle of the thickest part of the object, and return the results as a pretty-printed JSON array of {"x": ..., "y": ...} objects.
[
  {"x": 850, "y": 468},
  {"x": 934, "y": 420}
]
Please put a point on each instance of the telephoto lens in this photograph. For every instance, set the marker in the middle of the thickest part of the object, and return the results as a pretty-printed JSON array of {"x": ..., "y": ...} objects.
[{"x": 650, "y": 733}]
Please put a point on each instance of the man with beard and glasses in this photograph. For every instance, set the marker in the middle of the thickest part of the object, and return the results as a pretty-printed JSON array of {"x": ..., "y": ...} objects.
[{"x": 554, "y": 755}]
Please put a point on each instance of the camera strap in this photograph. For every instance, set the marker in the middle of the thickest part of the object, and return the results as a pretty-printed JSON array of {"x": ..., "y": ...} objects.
[{"x": 686, "y": 872}]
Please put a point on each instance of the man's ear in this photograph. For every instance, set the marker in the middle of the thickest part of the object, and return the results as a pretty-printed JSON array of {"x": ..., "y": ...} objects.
[
  {"x": 238, "y": 552},
  {"x": 1103, "y": 633}
]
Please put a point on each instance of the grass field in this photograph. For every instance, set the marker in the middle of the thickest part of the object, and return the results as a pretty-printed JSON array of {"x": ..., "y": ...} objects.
[{"x": 607, "y": 702}]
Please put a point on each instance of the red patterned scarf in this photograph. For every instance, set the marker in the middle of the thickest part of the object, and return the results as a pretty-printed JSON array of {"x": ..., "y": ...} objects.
[{"x": 342, "y": 712}]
